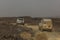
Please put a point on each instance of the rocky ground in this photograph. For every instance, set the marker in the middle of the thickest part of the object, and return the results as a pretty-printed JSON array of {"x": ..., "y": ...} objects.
[
  {"x": 53, "y": 35},
  {"x": 7, "y": 32}
]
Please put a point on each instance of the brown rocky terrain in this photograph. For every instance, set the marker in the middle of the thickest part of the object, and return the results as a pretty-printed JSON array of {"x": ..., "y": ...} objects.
[{"x": 7, "y": 31}]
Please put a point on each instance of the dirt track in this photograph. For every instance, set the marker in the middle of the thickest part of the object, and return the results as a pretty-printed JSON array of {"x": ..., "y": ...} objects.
[{"x": 53, "y": 35}]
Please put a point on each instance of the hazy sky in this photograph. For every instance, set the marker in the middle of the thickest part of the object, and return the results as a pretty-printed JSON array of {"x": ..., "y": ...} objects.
[{"x": 36, "y": 8}]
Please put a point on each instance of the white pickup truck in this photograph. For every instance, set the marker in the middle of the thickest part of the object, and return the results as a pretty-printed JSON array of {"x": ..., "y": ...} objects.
[{"x": 46, "y": 25}]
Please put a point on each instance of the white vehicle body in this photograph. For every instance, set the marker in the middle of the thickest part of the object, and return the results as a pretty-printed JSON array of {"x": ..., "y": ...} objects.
[
  {"x": 46, "y": 24},
  {"x": 20, "y": 20}
]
